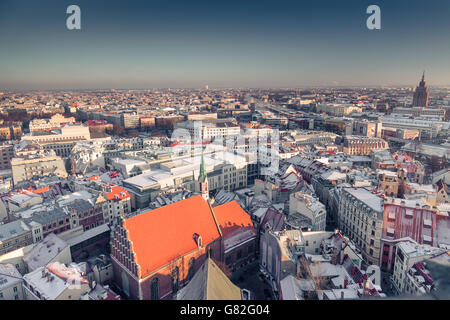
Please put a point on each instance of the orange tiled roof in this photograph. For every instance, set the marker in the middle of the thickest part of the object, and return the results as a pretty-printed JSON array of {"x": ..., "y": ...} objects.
[
  {"x": 161, "y": 235},
  {"x": 41, "y": 190},
  {"x": 120, "y": 192},
  {"x": 231, "y": 217}
]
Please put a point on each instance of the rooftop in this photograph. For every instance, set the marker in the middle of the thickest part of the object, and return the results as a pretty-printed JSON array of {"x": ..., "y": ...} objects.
[
  {"x": 374, "y": 201},
  {"x": 210, "y": 283},
  {"x": 13, "y": 229},
  {"x": 8, "y": 276},
  {"x": 236, "y": 224},
  {"x": 165, "y": 233},
  {"x": 44, "y": 252}
]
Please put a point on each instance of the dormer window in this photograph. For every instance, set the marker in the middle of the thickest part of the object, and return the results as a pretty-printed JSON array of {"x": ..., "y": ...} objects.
[{"x": 198, "y": 239}]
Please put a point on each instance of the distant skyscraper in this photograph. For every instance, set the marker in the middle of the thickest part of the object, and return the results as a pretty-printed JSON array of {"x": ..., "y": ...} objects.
[
  {"x": 421, "y": 94},
  {"x": 206, "y": 87}
]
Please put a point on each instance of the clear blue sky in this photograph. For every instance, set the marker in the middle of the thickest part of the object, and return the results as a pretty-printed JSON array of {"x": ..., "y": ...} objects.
[{"x": 166, "y": 43}]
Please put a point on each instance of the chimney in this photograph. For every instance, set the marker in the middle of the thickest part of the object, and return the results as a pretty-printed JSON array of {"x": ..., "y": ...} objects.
[{"x": 342, "y": 295}]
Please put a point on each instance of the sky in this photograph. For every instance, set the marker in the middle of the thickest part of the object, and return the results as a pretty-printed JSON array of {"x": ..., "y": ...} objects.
[{"x": 190, "y": 44}]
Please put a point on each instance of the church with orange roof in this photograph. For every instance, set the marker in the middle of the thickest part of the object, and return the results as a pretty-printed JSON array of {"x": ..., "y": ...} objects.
[{"x": 156, "y": 253}]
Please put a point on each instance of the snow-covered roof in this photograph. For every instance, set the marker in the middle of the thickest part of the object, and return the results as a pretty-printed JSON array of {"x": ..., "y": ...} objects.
[
  {"x": 362, "y": 194},
  {"x": 9, "y": 276},
  {"x": 44, "y": 252},
  {"x": 53, "y": 280},
  {"x": 412, "y": 249},
  {"x": 68, "y": 198},
  {"x": 13, "y": 230}
]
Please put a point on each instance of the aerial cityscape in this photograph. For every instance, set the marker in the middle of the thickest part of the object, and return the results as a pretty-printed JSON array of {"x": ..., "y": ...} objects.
[{"x": 205, "y": 190}]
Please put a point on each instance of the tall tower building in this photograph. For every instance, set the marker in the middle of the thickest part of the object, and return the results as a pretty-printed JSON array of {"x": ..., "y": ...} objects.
[
  {"x": 203, "y": 180},
  {"x": 421, "y": 94}
]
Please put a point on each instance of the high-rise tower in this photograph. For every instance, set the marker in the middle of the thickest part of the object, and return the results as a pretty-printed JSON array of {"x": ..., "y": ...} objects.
[{"x": 421, "y": 94}]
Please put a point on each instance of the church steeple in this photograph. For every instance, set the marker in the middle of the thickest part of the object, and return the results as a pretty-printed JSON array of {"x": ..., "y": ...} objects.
[
  {"x": 202, "y": 176},
  {"x": 203, "y": 180}
]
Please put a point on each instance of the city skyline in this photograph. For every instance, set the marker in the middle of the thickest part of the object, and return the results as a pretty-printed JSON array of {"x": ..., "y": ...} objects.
[{"x": 223, "y": 45}]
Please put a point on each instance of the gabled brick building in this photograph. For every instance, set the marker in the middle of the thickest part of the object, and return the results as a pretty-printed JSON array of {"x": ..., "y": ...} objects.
[{"x": 154, "y": 254}]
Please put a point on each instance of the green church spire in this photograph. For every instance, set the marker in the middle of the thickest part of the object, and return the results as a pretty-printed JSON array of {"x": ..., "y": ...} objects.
[{"x": 202, "y": 169}]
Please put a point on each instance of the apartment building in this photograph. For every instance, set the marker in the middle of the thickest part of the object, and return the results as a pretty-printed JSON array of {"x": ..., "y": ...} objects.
[
  {"x": 409, "y": 276},
  {"x": 360, "y": 218},
  {"x": 54, "y": 123},
  {"x": 367, "y": 128},
  {"x": 130, "y": 120},
  {"x": 14, "y": 235},
  {"x": 10, "y": 283},
  {"x": 338, "y": 110},
  {"x": 146, "y": 122},
  {"x": 414, "y": 219},
  {"x": 61, "y": 141},
  {"x": 209, "y": 130},
  {"x": 305, "y": 207},
  {"x": 116, "y": 203},
  {"x": 6, "y": 154},
  {"x": 432, "y": 113},
  {"x": 359, "y": 145},
  {"x": 10, "y": 131},
  {"x": 37, "y": 165},
  {"x": 55, "y": 282},
  {"x": 388, "y": 182}
]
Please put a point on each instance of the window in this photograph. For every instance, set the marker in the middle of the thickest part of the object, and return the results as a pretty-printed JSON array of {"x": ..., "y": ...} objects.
[
  {"x": 210, "y": 252},
  {"x": 191, "y": 271},
  {"x": 175, "y": 280},
  {"x": 228, "y": 260},
  {"x": 154, "y": 289},
  {"x": 239, "y": 254}
]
